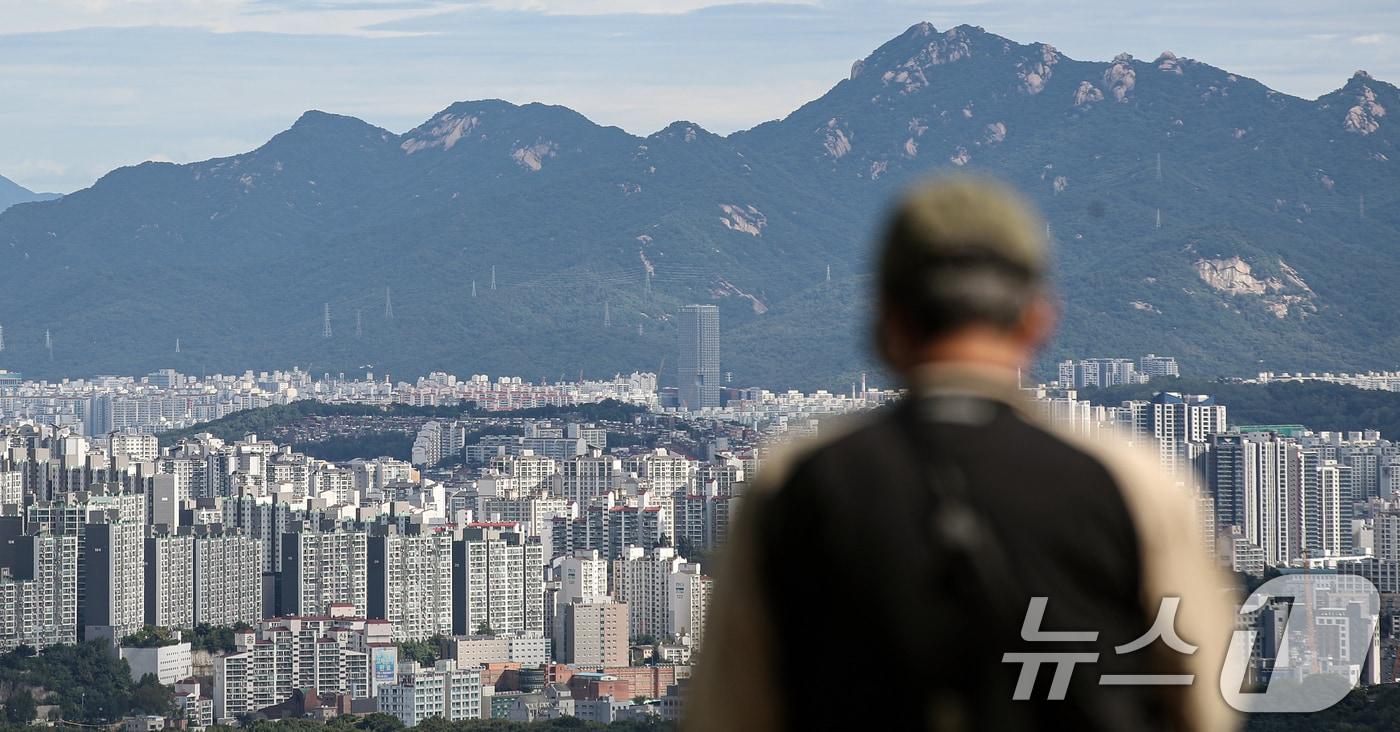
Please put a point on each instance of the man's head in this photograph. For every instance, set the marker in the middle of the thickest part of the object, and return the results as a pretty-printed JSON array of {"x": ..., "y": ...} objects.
[{"x": 962, "y": 277}]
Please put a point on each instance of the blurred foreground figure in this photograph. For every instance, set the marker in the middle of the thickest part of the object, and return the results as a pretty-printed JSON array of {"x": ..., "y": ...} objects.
[{"x": 879, "y": 578}]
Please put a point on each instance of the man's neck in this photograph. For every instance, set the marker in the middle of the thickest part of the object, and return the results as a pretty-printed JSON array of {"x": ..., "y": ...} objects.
[{"x": 973, "y": 347}]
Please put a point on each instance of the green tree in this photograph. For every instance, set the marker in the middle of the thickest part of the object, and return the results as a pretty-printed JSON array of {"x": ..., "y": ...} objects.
[
  {"x": 149, "y": 696},
  {"x": 21, "y": 708}
]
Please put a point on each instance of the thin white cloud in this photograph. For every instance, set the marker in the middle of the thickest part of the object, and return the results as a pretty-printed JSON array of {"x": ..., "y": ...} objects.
[
  {"x": 1370, "y": 39},
  {"x": 618, "y": 7},
  {"x": 219, "y": 16}
]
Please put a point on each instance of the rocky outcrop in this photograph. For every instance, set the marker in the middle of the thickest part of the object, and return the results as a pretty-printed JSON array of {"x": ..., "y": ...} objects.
[
  {"x": 994, "y": 133},
  {"x": 747, "y": 219},
  {"x": 1365, "y": 117},
  {"x": 1032, "y": 74},
  {"x": 1283, "y": 294},
  {"x": 443, "y": 131},
  {"x": 834, "y": 139},
  {"x": 727, "y": 289},
  {"x": 532, "y": 157},
  {"x": 1120, "y": 78},
  {"x": 1087, "y": 94}
]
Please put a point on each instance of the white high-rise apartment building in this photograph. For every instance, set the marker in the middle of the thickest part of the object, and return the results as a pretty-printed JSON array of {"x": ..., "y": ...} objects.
[
  {"x": 170, "y": 580},
  {"x": 1172, "y": 423},
  {"x": 498, "y": 582},
  {"x": 113, "y": 561},
  {"x": 528, "y": 473},
  {"x": 11, "y": 488},
  {"x": 665, "y": 595},
  {"x": 137, "y": 447},
  {"x": 227, "y": 576},
  {"x": 410, "y": 582},
  {"x": 1155, "y": 367},
  {"x": 38, "y": 591},
  {"x": 586, "y": 477},
  {"x": 443, "y": 691},
  {"x": 583, "y": 576},
  {"x": 324, "y": 566},
  {"x": 1255, "y": 487}
]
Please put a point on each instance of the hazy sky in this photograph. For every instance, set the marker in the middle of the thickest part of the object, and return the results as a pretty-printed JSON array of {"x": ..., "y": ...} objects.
[{"x": 90, "y": 85}]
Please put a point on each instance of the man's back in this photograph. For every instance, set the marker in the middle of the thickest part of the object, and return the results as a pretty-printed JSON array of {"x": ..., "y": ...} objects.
[{"x": 873, "y": 606}]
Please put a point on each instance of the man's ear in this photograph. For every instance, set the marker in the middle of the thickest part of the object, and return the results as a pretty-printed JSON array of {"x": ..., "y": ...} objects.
[
  {"x": 890, "y": 339},
  {"x": 1038, "y": 322}
]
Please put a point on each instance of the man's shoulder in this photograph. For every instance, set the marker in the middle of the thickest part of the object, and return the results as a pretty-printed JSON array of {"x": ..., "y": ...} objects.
[{"x": 840, "y": 438}]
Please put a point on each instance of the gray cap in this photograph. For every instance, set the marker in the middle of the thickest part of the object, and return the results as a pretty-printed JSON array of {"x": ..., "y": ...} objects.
[{"x": 964, "y": 217}]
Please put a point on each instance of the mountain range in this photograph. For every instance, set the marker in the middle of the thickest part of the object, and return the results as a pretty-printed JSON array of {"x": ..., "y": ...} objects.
[
  {"x": 1193, "y": 212},
  {"x": 12, "y": 193}
]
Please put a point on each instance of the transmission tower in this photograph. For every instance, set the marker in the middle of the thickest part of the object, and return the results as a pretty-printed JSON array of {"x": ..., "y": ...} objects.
[
  {"x": 359, "y": 331},
  {"x": 493, "y": 276},
  {"x": 1159, "y": 218},
  {"x": 1361, "y": 207},
  {"x": 828, "y": 273},
  {"x": 48, "y": 343},
  {"x": 177, "y": 345},
  {"x": 2, "y": 339},
  {"x": 388, "y": 304},
  {"x": 1159, "y": 166},
  {"x": 607, "y": 316},
  {"x": 326, "y": 321},
  {"x": 473, "y": 288}
]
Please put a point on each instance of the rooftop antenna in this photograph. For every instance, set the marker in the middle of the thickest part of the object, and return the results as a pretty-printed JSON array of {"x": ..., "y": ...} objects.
[
  {"x": 359, "y": 329},
  {"x": 493, "y": 276},
  {"x": 326, "y": 321},
  {"x": 607, "y": 316},
  {"x": 388, "y": 305}
]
